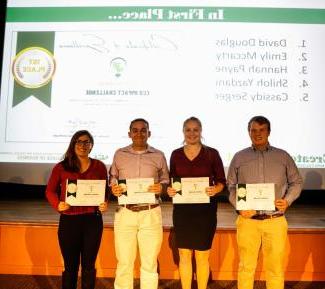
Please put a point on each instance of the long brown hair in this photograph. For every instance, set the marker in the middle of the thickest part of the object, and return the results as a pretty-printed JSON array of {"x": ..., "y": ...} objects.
[{"x": 70, "y": 160}]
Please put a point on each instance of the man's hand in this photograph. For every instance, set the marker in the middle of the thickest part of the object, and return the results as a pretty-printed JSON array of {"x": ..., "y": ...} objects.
[
  {"x": 281, "y": 205},
  {"x": 155, "y": 188}
]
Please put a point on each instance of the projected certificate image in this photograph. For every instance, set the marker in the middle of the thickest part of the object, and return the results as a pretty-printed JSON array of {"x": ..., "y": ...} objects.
[
  {"x": 135, "y": 191},
  {"x": 85, "y": 192},
  {"x": 255, "y": 197},
  {"x": 190, "y": 190}
]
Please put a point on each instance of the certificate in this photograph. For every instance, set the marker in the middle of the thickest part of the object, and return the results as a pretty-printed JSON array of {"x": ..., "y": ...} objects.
[
  {"x": 190, "y": 190},
  {"x": 255, "y": 197},
  {"x": 85, "y": 192},
  {"x": 135, "y": 191}
]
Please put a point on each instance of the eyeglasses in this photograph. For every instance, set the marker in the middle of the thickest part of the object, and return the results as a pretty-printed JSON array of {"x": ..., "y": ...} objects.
[{"x": 85, "y": 143}]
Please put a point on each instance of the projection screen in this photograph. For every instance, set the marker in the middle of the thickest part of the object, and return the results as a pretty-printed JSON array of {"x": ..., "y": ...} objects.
[{"x": 96, "y": 65}]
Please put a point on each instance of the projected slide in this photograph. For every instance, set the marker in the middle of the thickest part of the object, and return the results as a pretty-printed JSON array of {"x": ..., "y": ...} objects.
[{"x": 97, "y": 67}]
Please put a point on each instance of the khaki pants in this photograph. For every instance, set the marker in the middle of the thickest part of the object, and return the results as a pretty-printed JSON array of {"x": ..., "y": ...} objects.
[
  {"x": 132, "y": 230},
  {"x": 271, "y": 236}
]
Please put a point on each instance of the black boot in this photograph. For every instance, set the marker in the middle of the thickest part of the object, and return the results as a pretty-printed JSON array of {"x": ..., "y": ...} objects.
[
  {"x": 69, "y": 280},
  {"x": 88, "y": 278}
]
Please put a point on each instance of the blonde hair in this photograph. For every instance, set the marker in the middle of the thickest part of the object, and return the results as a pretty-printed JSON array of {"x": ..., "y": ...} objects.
[
  {"x": 195, "y": 119},
  {"x": 192, "y": 118}
]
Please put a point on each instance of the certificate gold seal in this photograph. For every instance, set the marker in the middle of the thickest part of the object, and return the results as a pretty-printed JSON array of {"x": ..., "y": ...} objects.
[
  {"x": 72, "y": 188},
  {"x": 177, "y": 186},
  {"x": 241, "y": 192},
  {"x": 123, "y": 187},
  {"x": 33, "y": 67}
]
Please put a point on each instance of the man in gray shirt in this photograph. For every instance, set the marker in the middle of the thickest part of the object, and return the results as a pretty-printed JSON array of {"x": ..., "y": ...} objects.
[{"x": 262, "y": 163}]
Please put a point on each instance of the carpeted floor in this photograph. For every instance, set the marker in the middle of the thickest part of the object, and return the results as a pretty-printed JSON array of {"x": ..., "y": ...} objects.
[{"x": 54, "y": 282}]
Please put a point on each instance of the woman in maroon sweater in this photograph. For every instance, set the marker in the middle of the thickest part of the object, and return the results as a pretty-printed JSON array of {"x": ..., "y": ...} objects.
[
  {"x": 195, "y": 224},
  {"x": 80, "y": 228}
]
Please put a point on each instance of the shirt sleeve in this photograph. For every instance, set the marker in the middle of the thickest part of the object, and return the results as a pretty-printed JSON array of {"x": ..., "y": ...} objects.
[
  {"x": 163, "y": 171},
  {"x": 104, "y": 176},
  {"x": 295, "y": 181},
  {"x": 232, "y": 180},
  {"x": 113, "y": 171},
  {"x": 53, "y": 188}
]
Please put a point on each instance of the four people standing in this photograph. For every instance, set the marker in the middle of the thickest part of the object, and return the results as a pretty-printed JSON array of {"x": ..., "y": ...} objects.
[
  {"x": 195, "y": 224},
  {"x": 263, "y": 163},
  {"x": 140, "y": 225}
]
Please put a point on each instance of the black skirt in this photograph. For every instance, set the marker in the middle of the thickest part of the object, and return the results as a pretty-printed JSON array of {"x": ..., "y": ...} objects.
[{"x": 195, "y": 225}]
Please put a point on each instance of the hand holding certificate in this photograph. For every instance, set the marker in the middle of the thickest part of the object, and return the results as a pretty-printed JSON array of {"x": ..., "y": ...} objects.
[
  {"x": 85, "y": 192},
  {"x": 190, "y": 190},
  {"x": 255, "y": 197},
  {"x": 135, "y": 191}
]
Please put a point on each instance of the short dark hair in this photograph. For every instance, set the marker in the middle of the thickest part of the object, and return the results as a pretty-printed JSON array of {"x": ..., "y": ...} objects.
[
  {"x": 139, "y": 119},
  {"x": 260, "y": 120}
]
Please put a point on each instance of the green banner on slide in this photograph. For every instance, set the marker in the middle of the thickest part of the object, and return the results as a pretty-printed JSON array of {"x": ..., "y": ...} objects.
[
  {"x": 33, "y": 66},
  {"x": 166, "y": 14}
]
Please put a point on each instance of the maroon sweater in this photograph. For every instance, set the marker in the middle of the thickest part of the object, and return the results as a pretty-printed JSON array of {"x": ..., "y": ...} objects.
[{"x": 56, "y": 187}]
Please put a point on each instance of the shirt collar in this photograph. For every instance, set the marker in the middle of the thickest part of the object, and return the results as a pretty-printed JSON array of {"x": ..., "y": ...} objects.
[
  {"x": 268, "y": 148},
  {"x": 129, "y": 149}
]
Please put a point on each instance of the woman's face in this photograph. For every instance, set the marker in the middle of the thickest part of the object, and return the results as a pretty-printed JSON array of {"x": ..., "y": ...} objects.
[
  {"x": 83, "y": 146},
  {"x": 192, "y": 133}
]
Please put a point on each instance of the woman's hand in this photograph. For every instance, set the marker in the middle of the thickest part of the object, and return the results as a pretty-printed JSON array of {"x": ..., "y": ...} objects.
[
  {"x": 171, "y": 192},
  {"x": 213, "y": 190},
  {"x": 103, "y": 207},
  {"x": 117, "y": 190},
  {"x": 63, "y": 206}
]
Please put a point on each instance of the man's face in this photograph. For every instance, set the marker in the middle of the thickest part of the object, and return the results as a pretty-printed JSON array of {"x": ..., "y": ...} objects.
[
  {"x": 259, "y": 134},
  {"x": 139, "y": 133}
]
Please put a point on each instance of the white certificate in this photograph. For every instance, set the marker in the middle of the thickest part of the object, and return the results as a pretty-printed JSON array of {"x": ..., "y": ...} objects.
[
  {"x": 85, "y": 192},
  {"x": 190, "y": 190},
  {"x": 255, "y": 197},
  {"x": 136, "y": 191}
]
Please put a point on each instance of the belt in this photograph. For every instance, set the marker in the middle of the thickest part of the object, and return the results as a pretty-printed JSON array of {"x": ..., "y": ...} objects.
[
  {"x": 138, "y": 208},
  {"x": 265, "y": 216}
]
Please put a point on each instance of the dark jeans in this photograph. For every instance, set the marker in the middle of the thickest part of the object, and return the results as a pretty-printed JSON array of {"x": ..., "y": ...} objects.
[{"x": 79, "y": 239}]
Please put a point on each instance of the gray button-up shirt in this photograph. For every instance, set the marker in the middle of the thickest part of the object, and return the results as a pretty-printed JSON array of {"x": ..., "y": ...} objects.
[{"x": 251, "y": 166}]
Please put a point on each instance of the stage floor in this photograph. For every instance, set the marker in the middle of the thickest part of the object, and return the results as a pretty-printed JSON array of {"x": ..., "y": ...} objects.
[
  {"x": 26, "y": 225},
  {"x": 54, "y": 282},
  {"x": 38, "y": 212}
]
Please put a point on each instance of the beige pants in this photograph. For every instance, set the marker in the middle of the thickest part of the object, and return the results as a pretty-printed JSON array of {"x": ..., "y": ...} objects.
[
  {"x": 271, "y": 236},
  {"x": 132, "y": 230}
]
